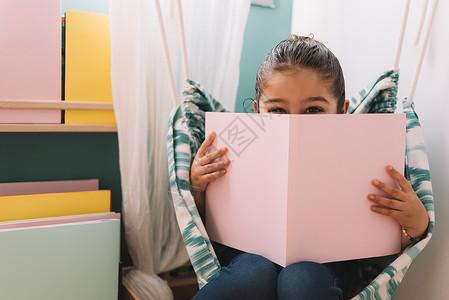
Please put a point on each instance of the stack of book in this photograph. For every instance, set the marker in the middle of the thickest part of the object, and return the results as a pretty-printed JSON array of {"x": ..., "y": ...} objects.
[
  {"x": 59, "y": 240},
  {"x": 40, "y": 60}
]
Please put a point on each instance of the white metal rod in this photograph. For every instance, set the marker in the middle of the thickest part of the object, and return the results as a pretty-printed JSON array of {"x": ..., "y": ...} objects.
[
  {"x": 421, "y": 22},
  {"x": 183, "y": 41},
  {"x": 423, "y": 52},
  {"x": 167, "y": 54},
  {"x": 401, "y": 35}
]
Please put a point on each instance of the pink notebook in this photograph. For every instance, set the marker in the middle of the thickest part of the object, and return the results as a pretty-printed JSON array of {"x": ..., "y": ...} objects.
[
  {"x": 297, "y": 187},
  {"x": 58, "y": 220},
  {"x": 44, "y": 187},
  {"x": 30, "y": 57}
]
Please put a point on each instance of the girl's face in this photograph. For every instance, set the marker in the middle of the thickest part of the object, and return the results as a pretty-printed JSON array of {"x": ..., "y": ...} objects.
[{"x": 299, "y": 91}]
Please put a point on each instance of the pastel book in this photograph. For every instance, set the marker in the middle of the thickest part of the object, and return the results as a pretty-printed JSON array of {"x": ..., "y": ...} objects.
[
  {"x": 41, "y": 187},
  {"x": 297, "y": 186},
  {"x": 66, "y": 258},
  {"x": 30, "y": 58},
  {"x": 58, "y": 220},
  {"x": 88, "y": 65},
  {"x": 54, "y": 205}
]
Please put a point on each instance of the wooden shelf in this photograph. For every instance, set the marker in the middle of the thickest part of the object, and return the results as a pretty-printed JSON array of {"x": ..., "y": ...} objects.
[
  {"x": 56, "y": 105},
  {"x": 56, "y": 128}
]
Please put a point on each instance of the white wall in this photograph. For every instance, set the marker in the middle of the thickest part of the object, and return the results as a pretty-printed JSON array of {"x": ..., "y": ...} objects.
[{"x": 363, "y": 35}]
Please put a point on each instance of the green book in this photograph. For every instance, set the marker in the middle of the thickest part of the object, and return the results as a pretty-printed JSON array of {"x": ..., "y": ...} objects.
[{"x": 63, "y": 261}]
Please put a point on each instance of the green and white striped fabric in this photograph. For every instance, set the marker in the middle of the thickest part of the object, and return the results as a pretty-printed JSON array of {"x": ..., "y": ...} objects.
[
  {"x": 378, "y": 97},
  {"x": 186, "y": 133}
]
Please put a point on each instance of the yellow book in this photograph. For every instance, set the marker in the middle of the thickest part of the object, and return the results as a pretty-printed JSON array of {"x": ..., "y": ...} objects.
[
  {"x": 88, "y": 65},
  {"x": 54, "y": 205}
]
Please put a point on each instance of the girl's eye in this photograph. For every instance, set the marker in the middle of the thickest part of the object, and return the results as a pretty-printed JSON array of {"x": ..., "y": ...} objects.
[
  {"x": 277, "y": 110},
  {"x": 313, "y": 110}
]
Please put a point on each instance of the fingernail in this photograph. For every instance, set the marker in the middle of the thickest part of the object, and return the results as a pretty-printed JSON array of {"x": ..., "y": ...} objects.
[
  {"x": 389, "y": 168},
  {"x": 371, "y": 197},
  {"x": 376, "y": 182}
]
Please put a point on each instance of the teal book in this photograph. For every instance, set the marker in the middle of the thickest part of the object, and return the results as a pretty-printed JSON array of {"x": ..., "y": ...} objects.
[{"x": 63, "y": 261}]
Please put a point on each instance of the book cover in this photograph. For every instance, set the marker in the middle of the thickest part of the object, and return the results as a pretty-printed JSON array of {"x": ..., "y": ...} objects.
[
  {"x": 297, "y": 186},
  {"x": 41, "y": 187},
  {"x": 88, "y": 65},
  {"x": 30, "y": 58},
  {"x": 64, "y": 261},
  {"x": 54, "y": 205},
  {"x": 58, "y": 220}
]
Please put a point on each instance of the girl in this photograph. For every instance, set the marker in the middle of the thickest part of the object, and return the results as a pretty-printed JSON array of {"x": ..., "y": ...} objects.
[{"x": 298, "y": 76}]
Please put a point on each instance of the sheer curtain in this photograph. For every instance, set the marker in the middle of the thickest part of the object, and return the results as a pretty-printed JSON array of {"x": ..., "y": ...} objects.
[
  {"x": 142, "y": 103},
  {"x": 215, "y": 31}
]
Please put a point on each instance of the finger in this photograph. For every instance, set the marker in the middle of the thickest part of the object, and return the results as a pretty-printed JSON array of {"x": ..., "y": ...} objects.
[
  {"x": 209, "y": 158},
  {"x": 384, "y": 211},
  {"x": 214, "y": 176},
  {"x": 386, "y": 202},
  {"x": 211, "y": 168},
  {"x": 395, "y": 193},
  {"x": 401, "y": 180},
  {"x": 206, "y": 144}
]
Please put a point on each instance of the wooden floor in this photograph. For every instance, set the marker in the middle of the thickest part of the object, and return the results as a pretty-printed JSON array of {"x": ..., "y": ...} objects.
[
  {"x": 183, "y": 288},
  {"x": 125, "y": 292}
]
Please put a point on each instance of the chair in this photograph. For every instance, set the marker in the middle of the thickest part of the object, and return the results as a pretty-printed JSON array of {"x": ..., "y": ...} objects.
[{"x": 186, "y": 132}]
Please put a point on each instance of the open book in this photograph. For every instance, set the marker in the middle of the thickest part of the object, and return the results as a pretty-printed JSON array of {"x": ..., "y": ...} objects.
[{"x": 297, "y": 186}]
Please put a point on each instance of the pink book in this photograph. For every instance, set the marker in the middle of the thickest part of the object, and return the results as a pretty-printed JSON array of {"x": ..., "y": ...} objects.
[
  {"x": 45, "y": 187},
  {"x": 30, "y": 57},
  {"x": 58, "y": 220},
  {"x": 297, "y": 186}
]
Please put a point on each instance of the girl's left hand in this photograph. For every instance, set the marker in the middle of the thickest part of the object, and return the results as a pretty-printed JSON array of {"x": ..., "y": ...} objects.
[{"x": 403, "y": 204}]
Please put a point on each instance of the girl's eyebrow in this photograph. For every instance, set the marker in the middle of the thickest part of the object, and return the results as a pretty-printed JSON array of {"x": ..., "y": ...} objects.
[
  {"x": 275, "y": 100},
  {"x": 319, "y": 98},
  {"x": 310, "y": 99}
]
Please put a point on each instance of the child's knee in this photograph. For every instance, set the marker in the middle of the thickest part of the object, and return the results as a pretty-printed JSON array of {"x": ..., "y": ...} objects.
[
  {"x": 258, "y": 267},
  {"x": 307, "y": 280},
  {"x": 255, "y": 277},
  {"x": 248, "y": 277}
]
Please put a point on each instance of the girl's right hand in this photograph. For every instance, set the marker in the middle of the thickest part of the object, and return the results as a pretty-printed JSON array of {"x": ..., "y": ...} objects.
[{"x": 207, "y": 167}]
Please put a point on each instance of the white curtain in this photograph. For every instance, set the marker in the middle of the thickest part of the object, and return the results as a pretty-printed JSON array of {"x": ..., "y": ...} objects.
[
  {"x": 142, "y": 103},
  {"x": 215, "y": 31}
]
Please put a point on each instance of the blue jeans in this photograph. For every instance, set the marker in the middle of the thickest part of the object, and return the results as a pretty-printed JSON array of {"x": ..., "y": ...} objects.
[{"x": 250, "y": 276}]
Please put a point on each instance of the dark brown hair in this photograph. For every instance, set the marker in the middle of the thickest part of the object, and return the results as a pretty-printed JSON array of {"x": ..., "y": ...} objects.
[{"x": 304, "y": 52}]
